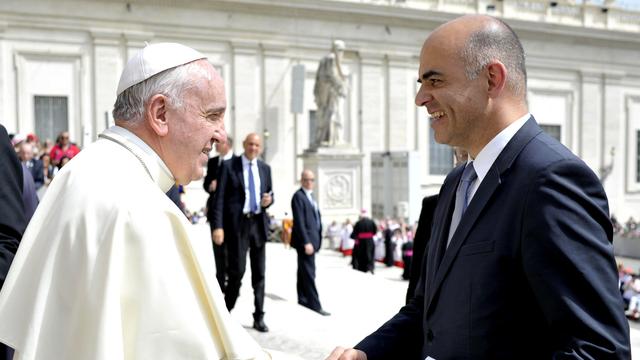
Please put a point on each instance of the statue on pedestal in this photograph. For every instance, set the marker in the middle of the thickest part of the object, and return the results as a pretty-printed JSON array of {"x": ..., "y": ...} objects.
[{"x": 330, "y": 86}]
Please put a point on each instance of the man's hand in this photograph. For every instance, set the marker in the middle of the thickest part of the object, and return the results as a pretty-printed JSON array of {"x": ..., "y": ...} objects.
[
  {"x": 213, "y": 185},
  {"x": 218, "y": 236},
  {"x": 308, "y": 249},
  {"x": 266, "y": 200},
  {"x": 341, "y": 353}
]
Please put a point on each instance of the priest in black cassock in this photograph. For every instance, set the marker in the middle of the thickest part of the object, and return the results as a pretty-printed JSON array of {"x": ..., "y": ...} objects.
[{"x": 363, "y": 232}]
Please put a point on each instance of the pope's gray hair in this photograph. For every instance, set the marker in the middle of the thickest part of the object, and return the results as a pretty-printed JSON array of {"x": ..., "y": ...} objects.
[{"x": 172, "y": 83}]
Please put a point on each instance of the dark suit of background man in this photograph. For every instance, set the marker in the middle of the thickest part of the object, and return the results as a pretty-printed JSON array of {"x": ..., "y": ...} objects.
[
  {"x": 529, "y": 271},
  {"x": 240, "y": 219},
  {"x": 210, "y": 184},
  {"x": 420, "y": 242},
  {"x": 12, "y": 216},
  {"x": 421, "y": 239},
  {"x": 25, "y": 154},
  {"x": 306, "y": 238}
]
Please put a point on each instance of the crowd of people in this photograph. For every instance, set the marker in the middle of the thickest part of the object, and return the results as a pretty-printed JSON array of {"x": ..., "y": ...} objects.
[
  {"x": 44, "y": 158},
  {"x": 628, "y": 229}
]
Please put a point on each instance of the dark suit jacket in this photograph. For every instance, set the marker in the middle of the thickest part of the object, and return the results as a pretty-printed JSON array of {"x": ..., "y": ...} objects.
[
  {"x": 229, "y": 200},
  {"x": 420, "y": 241},
  {"x": 529, "y": 272},
  {"x": 36, "y": 169},
  {"x": 12, "y": 218},
  {"x": 305, "y": 227},
  {"x": 213, "y": 173}
]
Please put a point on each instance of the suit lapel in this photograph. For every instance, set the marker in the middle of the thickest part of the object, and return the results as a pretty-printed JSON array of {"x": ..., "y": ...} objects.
[
  {"x": 263, "y": 178},
  {"x": 440, "y": 229},
  {"x": 488, "y": 187},
  {"x": 238, "y": 170}
]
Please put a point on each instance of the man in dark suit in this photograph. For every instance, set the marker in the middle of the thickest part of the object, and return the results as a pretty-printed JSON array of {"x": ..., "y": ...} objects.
[
  {"x": 420, "y": 242},
  {"x": 306, "y": 238},
  {"x": 242, "y": 196},
  {"x": 210, "y": 184},
  {"x": 12, "y": 215},
  {"x": 25, "y": 154},
  {"x": 421, "y": 239},
  {"x": 520, "y": 263}
]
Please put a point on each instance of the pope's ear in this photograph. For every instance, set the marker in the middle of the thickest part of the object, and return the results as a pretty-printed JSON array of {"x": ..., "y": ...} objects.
[{"x": 156, "y": 114}]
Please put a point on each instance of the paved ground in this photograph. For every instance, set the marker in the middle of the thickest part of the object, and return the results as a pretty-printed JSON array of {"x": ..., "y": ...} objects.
[{"x": 359, "y": 303}]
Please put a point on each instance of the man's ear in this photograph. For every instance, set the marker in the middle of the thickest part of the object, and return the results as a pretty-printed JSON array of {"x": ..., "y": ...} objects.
[
  {"x": 156, "y": 114},
  {"x": 496, "y": 78}
]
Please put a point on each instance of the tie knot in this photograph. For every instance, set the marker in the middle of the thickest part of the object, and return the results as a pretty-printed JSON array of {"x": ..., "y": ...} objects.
[{"x": 469, "y": 173}]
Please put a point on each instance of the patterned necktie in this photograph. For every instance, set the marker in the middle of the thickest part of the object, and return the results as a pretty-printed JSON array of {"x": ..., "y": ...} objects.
[
  {"x": 253, "y": 205},
  {"x": 462, "y": 198}
]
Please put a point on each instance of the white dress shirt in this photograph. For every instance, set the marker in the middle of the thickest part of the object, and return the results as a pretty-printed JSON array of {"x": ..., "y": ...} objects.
[
  {"x": 490, "y": 152},
  {"x": 256, "y": 183}
]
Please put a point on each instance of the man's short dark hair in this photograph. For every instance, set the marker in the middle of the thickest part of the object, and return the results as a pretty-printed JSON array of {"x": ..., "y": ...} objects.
[{"x": 496, "y": 41}]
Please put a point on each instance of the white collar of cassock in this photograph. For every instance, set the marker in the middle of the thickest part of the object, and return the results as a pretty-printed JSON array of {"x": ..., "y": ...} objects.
[{"x": 157, "y": 169}]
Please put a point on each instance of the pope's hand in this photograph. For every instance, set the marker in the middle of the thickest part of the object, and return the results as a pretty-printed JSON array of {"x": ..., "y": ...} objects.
[
  {"x": 341, "y": 353},
  {"x": 218, "y": 236}
]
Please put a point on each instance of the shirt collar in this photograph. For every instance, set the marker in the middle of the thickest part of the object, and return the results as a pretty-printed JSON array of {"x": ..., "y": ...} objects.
[
  {"x": 246, "y": 161},
  {"x": 228, "y": 155},
  {"x": 158, "y": 170},
  {"x": 490, "y": 152},
  {"x": 307, "y": 192}
]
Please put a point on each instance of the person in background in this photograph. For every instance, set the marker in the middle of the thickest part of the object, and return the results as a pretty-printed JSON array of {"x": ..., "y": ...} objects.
[
  {"x": 63, "y": 148},
  {"x": 107, "y": 268},
  {"x": 306, "y": 238},
  {"x": 520, "y": 263},
  {"x": 333, "y": 234},
  {"x": 225, "y": 152},
  {"x": 423, "y": 232},
  {"x": 243, "y": 194},
  {"x": 363, "y": 251},
  {"x": 34, "y": 166},
  {"x": 47, "y": 168}
]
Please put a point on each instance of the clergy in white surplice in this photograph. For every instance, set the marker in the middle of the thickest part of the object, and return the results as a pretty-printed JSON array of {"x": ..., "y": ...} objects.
[{"x": 107, "y": 268}]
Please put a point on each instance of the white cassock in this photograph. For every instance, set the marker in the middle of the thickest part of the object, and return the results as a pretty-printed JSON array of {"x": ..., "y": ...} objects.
[{"x": 107, "y": 268}]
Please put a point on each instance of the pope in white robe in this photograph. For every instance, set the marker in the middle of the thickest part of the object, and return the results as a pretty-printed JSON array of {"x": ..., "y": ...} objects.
[{"x": 107, "y": 268}]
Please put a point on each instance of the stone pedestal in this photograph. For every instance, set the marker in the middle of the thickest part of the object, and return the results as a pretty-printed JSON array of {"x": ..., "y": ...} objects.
[{"x": 338, "y": 186}]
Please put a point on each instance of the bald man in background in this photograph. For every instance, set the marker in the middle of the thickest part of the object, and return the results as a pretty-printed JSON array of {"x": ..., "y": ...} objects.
[{"x": 240, "y": 220}]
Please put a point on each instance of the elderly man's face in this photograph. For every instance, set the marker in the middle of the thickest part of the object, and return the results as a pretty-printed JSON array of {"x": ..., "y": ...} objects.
[
  {"x": 25, "y": 152},
  {"x": 195, "y": 127}
]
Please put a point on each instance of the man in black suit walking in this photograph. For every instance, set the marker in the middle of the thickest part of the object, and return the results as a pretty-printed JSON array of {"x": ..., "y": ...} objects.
[
  {"x": 210, "y": 184},
  {"x": 520, "y": 263},
  {"x": 307, "y": 239},
  {"x": 242, "y": 196}
]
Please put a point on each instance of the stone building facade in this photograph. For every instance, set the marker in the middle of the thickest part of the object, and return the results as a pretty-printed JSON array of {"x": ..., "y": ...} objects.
[{"x": 60, "y": 62}]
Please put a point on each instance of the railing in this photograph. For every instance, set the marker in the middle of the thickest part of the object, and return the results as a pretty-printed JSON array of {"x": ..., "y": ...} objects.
[{"x": 603, "y": 14}]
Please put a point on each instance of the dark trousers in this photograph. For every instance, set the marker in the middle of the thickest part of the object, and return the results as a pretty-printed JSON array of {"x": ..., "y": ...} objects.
[
  {"x": 220, "y": 255},
  {"x": 306, "y": 284},
  {"x": 366, "y": 249},
  {"x": 251, "y": 237}
]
